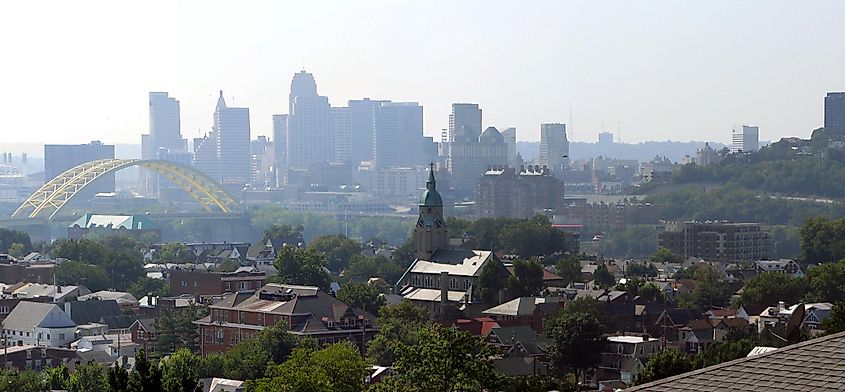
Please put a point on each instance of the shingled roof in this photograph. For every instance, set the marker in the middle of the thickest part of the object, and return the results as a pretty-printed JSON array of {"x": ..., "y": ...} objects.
[{"x": 814, "y": 365}]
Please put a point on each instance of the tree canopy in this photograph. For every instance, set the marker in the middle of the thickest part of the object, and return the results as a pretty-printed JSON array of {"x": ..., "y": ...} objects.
[
  {"x": 303, "y": 267},
  {"x": 663, "y": 364},
  {"x": 577, "y": 342},
  {"x": 336, "y": 249}
]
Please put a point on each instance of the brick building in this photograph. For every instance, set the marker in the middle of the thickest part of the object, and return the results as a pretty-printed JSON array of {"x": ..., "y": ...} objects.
[
  {"x": 717, "y": 241},
  {"x": 504, "y": 192},
  {"x": 601, "y": 214},
  {"x": 306, "y": 311},
  {"x": 28, "y": 357},
  {"x": 202, "y": 284}
]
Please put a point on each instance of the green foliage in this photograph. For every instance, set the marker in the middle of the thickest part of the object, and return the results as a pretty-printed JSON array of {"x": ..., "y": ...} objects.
[
  {"x": 174, "y": 252},
  {"x": 336, "y": 249},
  {"x": 723, "y": 351},
  {"x": 785, "y": 242},
  {"x": 490, "y": 281},
  {"x": 211, "y": 365},
  {"x": 664, "y": 255},
  {"x": 663, "y": 364},
  {"x": 56, "y": 377},
  {"x": 16, "y": 381},
  {"x": 362, "y": 296},
  {"x": 710, "y": 292},
  {"x": 398, "y": 326},
  {"x": 249, "y": 358},
  {"x": 569, "y": 269},
  {"x": 337, "y": 367},
  {"x": 769, "y": 288},
  {"x": 227, "y": 265},
  {"x": 823, "y": 240},
  {"x": 174, "y": 328},
  {"x": 641, "y": 269},
  {"x": 9, "y": 238},
  {"x": 538, "y": 384},
  {"x": 632, "y": 241},
  {"x": 303, "y": 267},
  {"x": 394, "y": 230},
  {"x": 825, "y": 283},
  {"x": 146, "y": 377},
  {"x": 179, "y": 372},
  {"x": 145, "y": 286},
  {"x": 118, "y": 379},
  {"x": 651, "y": 292},
  {"x": 281, "y": 231},
  {"x": 603, "y": 277},
  {"x": 836, "y": 321},
  {"x": 527, "y": 278},
  {"x": 593, "y": 307},
  {"x": 577, "y": 342},
  {"x": 526, "y": 238},
  {"x": 94, "y": 277},
  {"x": 443, "y": 359},
  {"x": 120, "y": 257},
  {"x": 90, "y": 377},
  {"x": 363, "y": 268}
]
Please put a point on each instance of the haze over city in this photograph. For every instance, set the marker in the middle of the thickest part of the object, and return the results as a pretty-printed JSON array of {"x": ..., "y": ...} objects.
[{"x": 657, "y": 70}]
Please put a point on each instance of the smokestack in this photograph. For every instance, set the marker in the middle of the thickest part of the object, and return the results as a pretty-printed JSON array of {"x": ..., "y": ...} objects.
[{"x": 444, "y": 287}]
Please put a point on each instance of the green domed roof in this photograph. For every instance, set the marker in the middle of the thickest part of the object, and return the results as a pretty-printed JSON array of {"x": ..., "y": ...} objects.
[{"x": 430, "y": 197}]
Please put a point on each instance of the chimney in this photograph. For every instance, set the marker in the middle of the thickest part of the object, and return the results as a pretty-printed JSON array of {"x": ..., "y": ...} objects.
[
  {"x": 444, "y": 287},
  {"x": 781, "y": 305}
]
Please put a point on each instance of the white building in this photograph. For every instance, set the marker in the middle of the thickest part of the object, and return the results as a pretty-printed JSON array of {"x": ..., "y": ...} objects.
[
  {"x": 554, "y": 147},
  {"x": 745, "y": 139},
  {"x": 39, "y": 324}
]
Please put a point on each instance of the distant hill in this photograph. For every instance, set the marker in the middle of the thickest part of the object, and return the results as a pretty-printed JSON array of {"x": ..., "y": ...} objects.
[{"x": 644, "y": 151}]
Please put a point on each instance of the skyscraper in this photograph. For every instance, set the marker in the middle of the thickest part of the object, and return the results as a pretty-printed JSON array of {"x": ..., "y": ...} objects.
[
  {"x": 233, "y": 146},
  {"x": 746, "y": 139},
  {"x": 280, "y": 147},
  {"x": 342, "y": 129},
  {"x": 163, "y": 141},
  {"x": 834, "y": 113},
  {"x": 509, "y": 134},
  {"x": 464, "y": 121},
  {"x": 362, "y": 126},
  {"x": 205, "y": 155},
  {"x": 310, "y": 136},
  {"x": 554, "y": 147},
  {"x": 398, "y": 134}
]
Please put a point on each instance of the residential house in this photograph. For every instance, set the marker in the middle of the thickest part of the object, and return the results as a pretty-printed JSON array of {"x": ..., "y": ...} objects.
[
  {"x": 203, "y": 284},
  {"x": 624, "y": 356},
  {"x": 530, "y": 311},
  {"x": 48, "y": 293},
  {"x": 782, "y": 266},
  {"x": 671, "y": 320},
  {"x": 305, "y": 310},
  {"x": 124, "y": 299},
  {"x": 143, "y": 332},
  {"x": 14, "y": 272},
  {"x": 814, "y": 314},
  {"x": 39, "y": 324},
  {"x": 522, "y": 351},
  {"x": 698, "y": 334},
  {"x": 115, "y": 345}
]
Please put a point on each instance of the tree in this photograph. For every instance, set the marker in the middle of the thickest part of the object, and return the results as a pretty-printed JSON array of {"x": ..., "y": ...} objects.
[
  {"x": 603, "y": 277},
  {"x": 175, "y": 329},
  {"x": 227, "y": 265},
  {"x": 725, "y": 350},
  {"x": 280, "y": 232},
  {"x": 663, "y": 364},
  {"x": 825, "y": 283},
  {"x": 179, "y": 372},
  {"x": 445, "y": 359},
  {"x": 527, "y": 279},
  {"x": 836, "y": 321},
  {"x": 577, "y": 342},
  {"x": 94, "y": 277},
  {"x": 490, "y": 283},
  {"x": 569, "y": 269},
  {"x": 118, "y": 379},
  {"x": 363, "y": 268},
  {"x": 338, "y": 367},
  {"x": 651, "y": 292},
  {"x": 246, "y": 360},
  {"x": 147, "y": 374},
  {"x": 56, "y": 377},
  {"x": 594, "y": 307},
  {"x": 17, "y": 381},
  {"x": 709, "y": 292},
  {"x": 770, "y": 287},
  {"x": 362, "y": 296},
  {"x": 664, "y": 255},
  {"x": 149, "y": 286},
  {"x": 301, "y": 266},
  {"x": 88, "y": 377},
  {"x": 336, "y": 249},
  {"x": 17, "y": 250},
  {"x": 9, "y": 237},
  {"x": 641, "y": 270},
  {"x": 823, "y": 240},
  {"x": 398, "y": 326},
  {"x": 174, "y": 252}
]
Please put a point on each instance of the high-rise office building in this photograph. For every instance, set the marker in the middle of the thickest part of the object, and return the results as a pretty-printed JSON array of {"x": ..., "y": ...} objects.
[
  {"x": 745, "y": 139},
  {"x": 311, "y": 136},
  {"x": 60, "y": 157},
  {"x": 342, "y": 129},
  {"x": 233, "y": 146},
  {"x": 467, "y": 159},
  {"x": 362, "y": 114},
  {"x": 205, "y": 155},
  {"x": 280, "y": 139},
  {"x": 464, "y": 122},
  {"x": 834, "y": 113},
  {"x": 164, "y": 140},
  {"x": 554, "y": 147},
  {"x": 605, "y": 138},
  {"x": 509, "y": 134},
  {"x": 398, "y": 134},
  {"x": 263, "y": 162}
]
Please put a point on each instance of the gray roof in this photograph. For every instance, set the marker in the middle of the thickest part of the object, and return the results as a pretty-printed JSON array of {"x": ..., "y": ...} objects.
[
  {"x": 27, "y": 315},
  {"x": 814, "y": 365},
  {"x": 85, "y": 312}
]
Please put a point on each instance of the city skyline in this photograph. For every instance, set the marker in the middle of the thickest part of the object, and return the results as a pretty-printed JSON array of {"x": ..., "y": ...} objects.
[{"x": 668, "y": 79}]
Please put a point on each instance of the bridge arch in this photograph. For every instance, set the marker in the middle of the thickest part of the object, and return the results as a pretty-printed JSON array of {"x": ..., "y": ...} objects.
[{"x": 54, "y": 194}]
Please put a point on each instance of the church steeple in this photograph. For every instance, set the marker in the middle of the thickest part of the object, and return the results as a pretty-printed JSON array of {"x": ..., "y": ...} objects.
[{"x": 430, "y": 233}]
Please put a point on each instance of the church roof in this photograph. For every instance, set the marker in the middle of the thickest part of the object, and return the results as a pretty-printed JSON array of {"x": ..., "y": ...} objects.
[
  {"x": 457, "y": 262},
  {"x": 430, "y": 197}
]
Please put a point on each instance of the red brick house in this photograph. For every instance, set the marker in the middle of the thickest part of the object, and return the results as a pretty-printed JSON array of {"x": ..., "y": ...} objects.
[
  {"x": 306, "y": 311},
  {"x": 144, "y": 333}
]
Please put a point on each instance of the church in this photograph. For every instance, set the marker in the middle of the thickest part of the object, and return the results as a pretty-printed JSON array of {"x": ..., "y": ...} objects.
[{"x": 440, "y": 275}]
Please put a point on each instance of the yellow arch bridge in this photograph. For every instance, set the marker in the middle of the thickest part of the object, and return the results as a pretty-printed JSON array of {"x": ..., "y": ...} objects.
[{"x": 53, "y": 195}]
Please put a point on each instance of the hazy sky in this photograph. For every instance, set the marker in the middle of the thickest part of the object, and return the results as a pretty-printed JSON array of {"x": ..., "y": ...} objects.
[{"x": 76, "y": 71}]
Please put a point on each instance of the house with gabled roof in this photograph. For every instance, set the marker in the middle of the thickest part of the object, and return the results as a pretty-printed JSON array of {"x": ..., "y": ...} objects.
[
  {"x": 39, "y": 324},
  {"x": 530, "y": 311}
]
